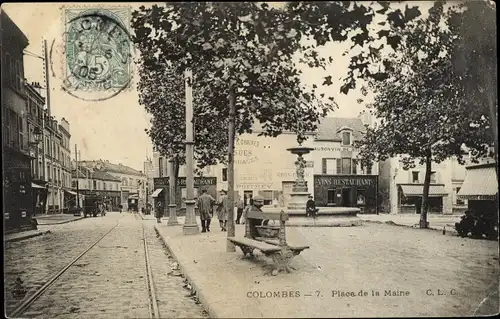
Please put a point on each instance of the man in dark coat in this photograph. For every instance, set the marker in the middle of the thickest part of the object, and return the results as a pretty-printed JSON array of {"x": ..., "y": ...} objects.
[{"x": 205, "y": 205}]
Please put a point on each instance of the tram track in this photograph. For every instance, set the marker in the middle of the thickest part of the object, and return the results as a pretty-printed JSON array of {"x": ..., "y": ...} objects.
[{"x": 25, "y": 304}]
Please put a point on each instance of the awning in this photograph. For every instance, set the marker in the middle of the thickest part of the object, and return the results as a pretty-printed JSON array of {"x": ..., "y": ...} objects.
[
  {"x": 418, "y": 190},
  {"x": 33, "y": 185},
  {"x": 70, "y": 192},
  {"x": 157, "y": 192},
  {"x": 479, "y": 184}
]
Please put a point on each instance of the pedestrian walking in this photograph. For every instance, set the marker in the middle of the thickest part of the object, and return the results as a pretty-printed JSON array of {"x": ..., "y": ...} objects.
[
  {"x": 239, "y": 209},
  {"x": 223, "y": 210},
  {"x": 205, "y": 205},
  {"x": 159, "y": 211}
]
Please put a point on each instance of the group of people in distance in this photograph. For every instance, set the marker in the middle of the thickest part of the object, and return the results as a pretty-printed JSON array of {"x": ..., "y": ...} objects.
[{"x": 206, "y": 204}]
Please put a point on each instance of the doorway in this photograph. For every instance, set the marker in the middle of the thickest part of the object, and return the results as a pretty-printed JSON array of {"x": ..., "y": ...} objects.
[{"x": 247, "y": 197}]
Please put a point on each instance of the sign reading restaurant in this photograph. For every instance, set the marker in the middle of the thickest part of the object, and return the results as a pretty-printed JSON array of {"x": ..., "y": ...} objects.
[
  {"x": 343, "y": 181},
  {"x": 181, "y": 181}
]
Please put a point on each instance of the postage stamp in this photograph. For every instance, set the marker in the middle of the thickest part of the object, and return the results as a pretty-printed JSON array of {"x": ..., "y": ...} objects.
[{"x": 98, "y": 52}]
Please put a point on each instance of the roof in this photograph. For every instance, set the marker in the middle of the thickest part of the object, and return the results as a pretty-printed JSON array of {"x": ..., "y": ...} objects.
[
  {"x": 105, "y": 176},
  {"x": 10, "y": 29},
  {"x": 480, "y": 182},
  {"x": 112, "y": 168},
  {"x": 328, "y": 129},
  {"x": 436, "y": 190}
]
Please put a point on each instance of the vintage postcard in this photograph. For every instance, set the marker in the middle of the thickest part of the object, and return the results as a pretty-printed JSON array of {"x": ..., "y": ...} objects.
[{"x": 250, "y": 159}]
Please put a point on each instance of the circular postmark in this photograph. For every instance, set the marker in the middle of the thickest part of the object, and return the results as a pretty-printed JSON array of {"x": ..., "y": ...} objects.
[{"x": 98, "y": 55}]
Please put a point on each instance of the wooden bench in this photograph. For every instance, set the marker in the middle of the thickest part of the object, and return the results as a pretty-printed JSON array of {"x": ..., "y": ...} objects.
[{"x": 277, "y": 248}]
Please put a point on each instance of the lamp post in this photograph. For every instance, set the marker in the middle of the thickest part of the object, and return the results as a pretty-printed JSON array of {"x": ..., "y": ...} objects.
[
  {"x": 38, "y": 137},
  {"x": 190, "y": 226}
]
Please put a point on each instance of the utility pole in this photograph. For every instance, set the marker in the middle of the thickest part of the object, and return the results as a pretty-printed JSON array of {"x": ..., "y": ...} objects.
[
  {"x": 230, "y": 169},
  {"x": 77, "y": 181},
  {"x": 47, "y": 77},
  {"x": 190, "y": 226}
]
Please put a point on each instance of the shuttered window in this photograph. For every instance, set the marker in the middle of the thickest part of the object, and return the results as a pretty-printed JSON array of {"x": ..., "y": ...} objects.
[{"x": 339, "y": 166}]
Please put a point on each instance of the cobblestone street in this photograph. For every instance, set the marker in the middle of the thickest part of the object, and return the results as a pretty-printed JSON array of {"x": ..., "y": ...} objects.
[{"x": 110, "y": 281}]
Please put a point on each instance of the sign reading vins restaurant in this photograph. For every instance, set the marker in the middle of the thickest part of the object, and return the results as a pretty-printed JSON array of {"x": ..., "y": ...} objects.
[
  {"x": 181, "y": 181},
  {"x": 343, "y": 181}
]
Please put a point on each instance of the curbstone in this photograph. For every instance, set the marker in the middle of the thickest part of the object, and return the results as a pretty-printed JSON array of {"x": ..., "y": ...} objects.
[
  {"x": 451, "y": 232},
  {"x": 199, "y": 292},
  {"x": 60, "y": 222},
  {"x": 28, "y": 236}
]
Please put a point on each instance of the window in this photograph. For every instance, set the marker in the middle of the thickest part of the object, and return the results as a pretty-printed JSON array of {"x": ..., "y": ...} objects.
[
  {"x": 224, "y": 174},
  {"x": 354, "y": 166},
  {"x": 414, "y": 177},
  {"x": 95, "y": 184},
  {"x": 73, "y": 184},
  {"x": 329, "y": 165},
  {"x": 268, "y": 197},
  {"x": 160, "y": 167},
  {"x": 21, "y": 132},
  {"x": 346, "y": 138},
  {"x": 90, "y": 185},
  {"x": 104, "y": 185},
  {"x": 369, "y": 169},
  {"x": 459, "y": 201},
  {"x": 346, "y": 166},
  {"x": 433, "y": 177}
]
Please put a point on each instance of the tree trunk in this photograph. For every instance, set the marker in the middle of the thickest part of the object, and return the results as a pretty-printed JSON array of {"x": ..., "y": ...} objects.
[
  {"x": 230, "y": 169},
  {"x": 493, "y": 116},
  {"x": 176, "y": 171},
  {"x": 425, "y": 196}
]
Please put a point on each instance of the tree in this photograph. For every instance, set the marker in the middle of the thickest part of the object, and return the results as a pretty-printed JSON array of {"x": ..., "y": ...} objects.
[
  {"x": 241, "y": 52},
  {"x": 417, "y": 104},
  {"x": 474, "y": 56},
  {"x": 161, "y": 92}
]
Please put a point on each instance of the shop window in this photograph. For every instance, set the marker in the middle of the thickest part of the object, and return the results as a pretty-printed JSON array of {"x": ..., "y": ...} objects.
[
  {"x": 268, "y": 197},
  {"x": 415, "y": 177},
  {"x": 346, "y": 138}
]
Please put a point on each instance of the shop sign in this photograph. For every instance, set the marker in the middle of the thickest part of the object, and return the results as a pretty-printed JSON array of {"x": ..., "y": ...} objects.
[
  {"x": 255, "y": 186},
  {"x": 343, "y": 181},
  {"x": 333, "y": 149},
  {"x": 244, "y": 152},
  {"x": 181, "y": 181}
]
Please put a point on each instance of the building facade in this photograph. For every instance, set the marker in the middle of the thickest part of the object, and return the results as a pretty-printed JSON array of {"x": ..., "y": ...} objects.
[
  {"x": 17, "y": 188},
  {"x": 133, "y": 182},
  {"x": 403, "y": 189},
  {"x": 263, "y": 166},
  {"x": 149, "y": 172},
  {"x": 97, "y": 182}
]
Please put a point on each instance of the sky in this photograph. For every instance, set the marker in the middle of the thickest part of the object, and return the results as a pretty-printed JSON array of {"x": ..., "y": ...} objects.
[{"x": 114, "y": 129}]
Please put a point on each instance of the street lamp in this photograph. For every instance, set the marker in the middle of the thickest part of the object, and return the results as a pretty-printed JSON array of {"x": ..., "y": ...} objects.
[{"x": 37, "y": 138}]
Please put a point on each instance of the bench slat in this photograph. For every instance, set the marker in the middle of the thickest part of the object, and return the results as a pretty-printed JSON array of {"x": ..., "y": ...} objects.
[
  {"x": 262, "y": 246},
  {"x": 273, "y": 241}
]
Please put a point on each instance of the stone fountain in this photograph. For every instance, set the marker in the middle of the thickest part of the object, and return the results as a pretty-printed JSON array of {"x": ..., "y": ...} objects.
[
  {"x": 299, "y": 194},
  {"x": 327, "y": 216}
]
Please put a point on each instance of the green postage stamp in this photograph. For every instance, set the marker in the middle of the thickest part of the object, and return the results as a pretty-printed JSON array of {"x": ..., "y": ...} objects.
[{"x": 98, "y": 52}]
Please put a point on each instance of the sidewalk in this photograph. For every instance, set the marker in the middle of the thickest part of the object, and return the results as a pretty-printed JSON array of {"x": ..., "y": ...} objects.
[
  {"x": 24, "y": 235},
  {"x": 56, "y": 219},
  {"x": 436, "y": 222},
  {"x": 369, "y": 258}
]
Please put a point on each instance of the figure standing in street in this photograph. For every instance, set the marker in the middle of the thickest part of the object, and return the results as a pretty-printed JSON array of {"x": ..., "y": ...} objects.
[
  {"x": 239, "y": 209},
  {"x": 222, "y": 210},
  {"x": 159, "y": 211},
  {"x": 205, "y": 205}
]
